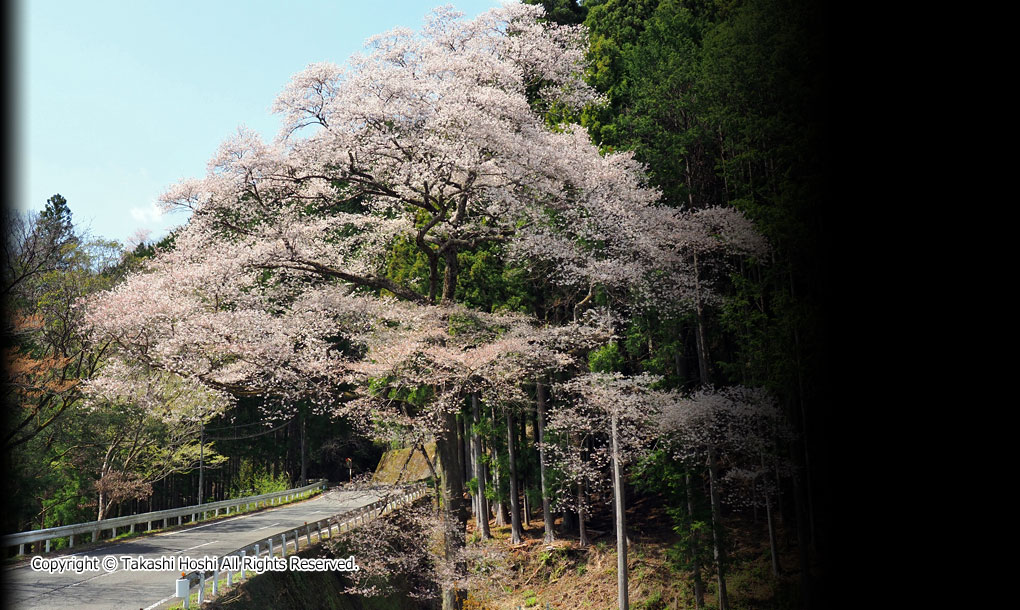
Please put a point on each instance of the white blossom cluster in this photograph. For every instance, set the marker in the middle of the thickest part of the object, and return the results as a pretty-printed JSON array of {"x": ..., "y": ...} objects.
[{"x": 743, "y": 425}]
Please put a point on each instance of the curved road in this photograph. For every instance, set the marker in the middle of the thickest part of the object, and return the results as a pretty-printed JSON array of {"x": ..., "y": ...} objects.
[{"x": 25, "y": 588}]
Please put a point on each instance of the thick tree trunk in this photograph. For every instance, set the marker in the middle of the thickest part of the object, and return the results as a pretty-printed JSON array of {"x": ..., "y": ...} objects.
[
  {"x": 546, "y": 513},
  {"x": 201, "y": 464},
  {"x": 460, "y": 446},
  {"x": 621, "y": 529},
  {"x": 501, "y": 514},
  {"x": 488, "y": 480},
  {"x": 102, "y": 508},
  {"x": 522, "y": 438},
  {"x": 699, "y": 586},
  {"x": 680, "y": 357},
  {"x": 468, "y": 462},
  {"x": 702, "y": 343},
  {"x": 516, "y": 532},
  {"x": 433, "y": 271},
  {"x": 304, "y": 450},
  {"x": 719, "y": 549},
  {"x": 453, "y": 510},
  {"x": 450, "y": 274},
  {"x": 582, "y": 530},
  {"x": 772, "y": 536},
  {"x": 772, "y": 529},
  {"x": 482, "y": 516}
]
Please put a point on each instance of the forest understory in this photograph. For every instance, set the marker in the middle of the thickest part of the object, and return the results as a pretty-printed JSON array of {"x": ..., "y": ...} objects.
[{"x": 565, "y": 575}]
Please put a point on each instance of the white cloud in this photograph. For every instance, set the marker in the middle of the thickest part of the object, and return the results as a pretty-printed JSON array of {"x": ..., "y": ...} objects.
[{"x": 151, "y": 214}]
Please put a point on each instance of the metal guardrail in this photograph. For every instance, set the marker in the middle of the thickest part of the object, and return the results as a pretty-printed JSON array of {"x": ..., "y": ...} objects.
[
  {"x": 96, "y": 528},
  {"x": 342, "y": 522}
]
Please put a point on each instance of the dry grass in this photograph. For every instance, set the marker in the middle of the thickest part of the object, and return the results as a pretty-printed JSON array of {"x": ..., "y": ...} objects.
[{"x": 564, "y": 575}]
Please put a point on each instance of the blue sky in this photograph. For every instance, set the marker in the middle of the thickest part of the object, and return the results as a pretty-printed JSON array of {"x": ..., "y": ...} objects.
[{"x": 116, "y": 101}]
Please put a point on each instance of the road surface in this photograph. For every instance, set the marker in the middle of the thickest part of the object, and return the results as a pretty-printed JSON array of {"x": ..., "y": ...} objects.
[{"x": 27, "y": 589}]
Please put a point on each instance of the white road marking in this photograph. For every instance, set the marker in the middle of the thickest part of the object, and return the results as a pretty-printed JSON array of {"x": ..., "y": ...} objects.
[
  {"x": 265, "y": 526},
  {"x": 196, "y": 546},
  {"x": 93, "y": 578}
]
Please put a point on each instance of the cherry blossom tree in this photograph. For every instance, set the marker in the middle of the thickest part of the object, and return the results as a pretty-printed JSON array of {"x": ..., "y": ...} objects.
[
  {"x": 743, "y": 424},
  {"x": 626, "y": 409}
]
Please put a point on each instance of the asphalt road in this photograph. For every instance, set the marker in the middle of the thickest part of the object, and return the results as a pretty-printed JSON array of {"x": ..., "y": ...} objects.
[{"x": 26, "y": 588}]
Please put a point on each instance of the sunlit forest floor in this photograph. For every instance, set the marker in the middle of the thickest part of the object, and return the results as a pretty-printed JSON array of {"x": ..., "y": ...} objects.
[{"x": 564, "y": 575}]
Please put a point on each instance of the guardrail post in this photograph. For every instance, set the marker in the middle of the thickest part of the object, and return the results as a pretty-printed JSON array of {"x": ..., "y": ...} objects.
[
  {"x": 70, "y": 541},
  {"x": 297, "y": 541},
  {"x": 183, "y": 590},
  {"x": 47, "y": 545},
  {"x": 216, "y": 582},
  {"x": 95, "y": 535},
  {"x": 201, "y": 588},
  {"x": 230, "y": 576},
  {"x": 308, "y": 534},
  {"x": 241, "y": 577},
  {"x": 283, "y": 548},
  {"x": 270, "y": 541}
]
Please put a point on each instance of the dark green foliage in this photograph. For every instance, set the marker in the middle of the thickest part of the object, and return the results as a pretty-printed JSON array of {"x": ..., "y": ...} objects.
[
  {"x": 486, "y": 283},
  {"x": 660, "y": 473},
  {"x": 606, "y": 359},
  {"x": 55, "y": 221},
  {"x": 565, "y": 12},
  {"x": 408, "y": 266}
]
